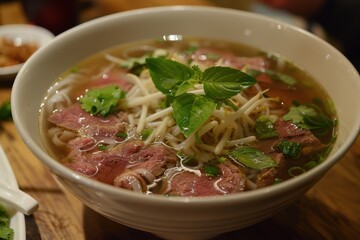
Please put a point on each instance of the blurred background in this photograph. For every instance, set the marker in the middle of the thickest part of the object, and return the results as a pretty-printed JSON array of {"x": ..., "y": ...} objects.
[{"x": 337, "y": 21}]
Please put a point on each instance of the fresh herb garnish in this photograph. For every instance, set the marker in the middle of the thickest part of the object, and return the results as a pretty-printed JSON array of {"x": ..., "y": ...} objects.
[
  {"x": 289, "y": 149},
  {"x": 211, "y": 170},
  {"x": 277, "y": 180},
  {"x": 102, "y": 147},
  {"x": 102, "y": 101},
  {"x": 6, "y": 233},
  {"x": 223, "y": 82},
  {"x": 252, "y": 158},
  {"x": 167, "y": 75},
  {"x": 122, "y": 135},
  {"x": 309, "y": 165},
  {"x": 5, "y": 111},
  {"x": 145, "y": 133},
  {"x": 265, "y": 128},
  {"x": 308, "y": 118},
  {"x": 190, "y": 111},
  {"x": 319, "y": 124},
  {"x": 296, "y": 171}
]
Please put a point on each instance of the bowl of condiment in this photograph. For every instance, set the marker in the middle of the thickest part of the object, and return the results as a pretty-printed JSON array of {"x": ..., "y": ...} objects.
[
  {"x": 187, "y": 122},
  {"x": 17, "y": 43}
]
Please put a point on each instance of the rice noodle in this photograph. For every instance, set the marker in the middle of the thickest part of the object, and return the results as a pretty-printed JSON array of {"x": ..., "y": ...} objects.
[
  {"x": 146, "y": 174},
  {"x": 59, "y": 136},
  {"x": 225, "y": 127}
]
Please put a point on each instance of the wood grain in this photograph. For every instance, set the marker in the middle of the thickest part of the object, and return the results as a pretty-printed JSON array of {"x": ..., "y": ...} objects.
[{"x": 330, "y": 210}]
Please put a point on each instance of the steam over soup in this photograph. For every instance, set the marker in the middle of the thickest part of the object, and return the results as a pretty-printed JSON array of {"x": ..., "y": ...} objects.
[{"x": 191, "y": 117}]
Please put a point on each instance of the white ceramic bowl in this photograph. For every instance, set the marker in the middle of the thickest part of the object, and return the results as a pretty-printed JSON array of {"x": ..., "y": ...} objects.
[
  {"x": 23, "y": 33},
  {"x": 182, "y": 217}
]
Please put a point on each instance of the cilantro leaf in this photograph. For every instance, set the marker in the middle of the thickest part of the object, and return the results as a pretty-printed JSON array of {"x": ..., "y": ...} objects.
[
  {"x": 252, "y": 158},
  {"x": 224, "y": 82},
  {"x": 190, "y": 111},
  {"x": 308, "y": 118},
  {"x": 6, "y": 233},
  {"x": 102, "y": 101},
  {"x": 296, "y": 115}
]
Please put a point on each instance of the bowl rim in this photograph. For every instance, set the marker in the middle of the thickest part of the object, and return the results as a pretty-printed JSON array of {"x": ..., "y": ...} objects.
[{"x": 67, "y": 173}]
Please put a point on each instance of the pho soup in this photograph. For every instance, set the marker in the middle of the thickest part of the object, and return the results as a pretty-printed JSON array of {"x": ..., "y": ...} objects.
[{"x": 190, "y": 117}]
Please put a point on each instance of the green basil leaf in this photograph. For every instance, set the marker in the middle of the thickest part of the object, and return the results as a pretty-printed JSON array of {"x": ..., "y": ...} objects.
[
  {"x": 224, "y": 82},
  {"x": 167, "y": 75},
  {"x": 252, "y": 158},
  {"x": 185, "y": 86},
  {"x": 190, "y": 111}
]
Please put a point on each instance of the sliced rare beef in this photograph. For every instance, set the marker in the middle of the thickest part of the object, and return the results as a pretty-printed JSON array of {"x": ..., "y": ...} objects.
[
  {"x": 151, "y": 163},
  {"x": 76, "y": 119},
  {"x": 231, "y": 180},
  {"x": 116, "y": 77},
  {"x": 266, "y": 177},
  {"x": 108, "y": 165},
  {"x": 289, "y": 131}
]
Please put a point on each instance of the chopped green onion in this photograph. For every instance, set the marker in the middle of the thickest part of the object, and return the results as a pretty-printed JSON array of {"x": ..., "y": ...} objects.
[
  {"x": 123, "y": 135},
  {"x": 252, "y": 158},
  {"x": 296, "y": 171},
  {"x": 277, "y": 180},
  {"x": 101, "y": 147},
  {"x": 222, "y": 159},
  {"x": 290, "y": 149},
  {"x": 310, "y": 165},
  {"x": 265, "y": 128},
  {"x": 146, "y": 133},
  {"x": 211, "y": 170}
]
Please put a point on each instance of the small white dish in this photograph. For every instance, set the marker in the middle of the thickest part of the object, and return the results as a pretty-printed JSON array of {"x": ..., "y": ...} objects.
[
  {"x": 25, "y": 33},
  {"x": 17, "y": 221}
]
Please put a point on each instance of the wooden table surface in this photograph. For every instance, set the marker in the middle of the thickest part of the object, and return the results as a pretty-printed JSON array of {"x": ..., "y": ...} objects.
[{"x": 330, "y": 210}]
